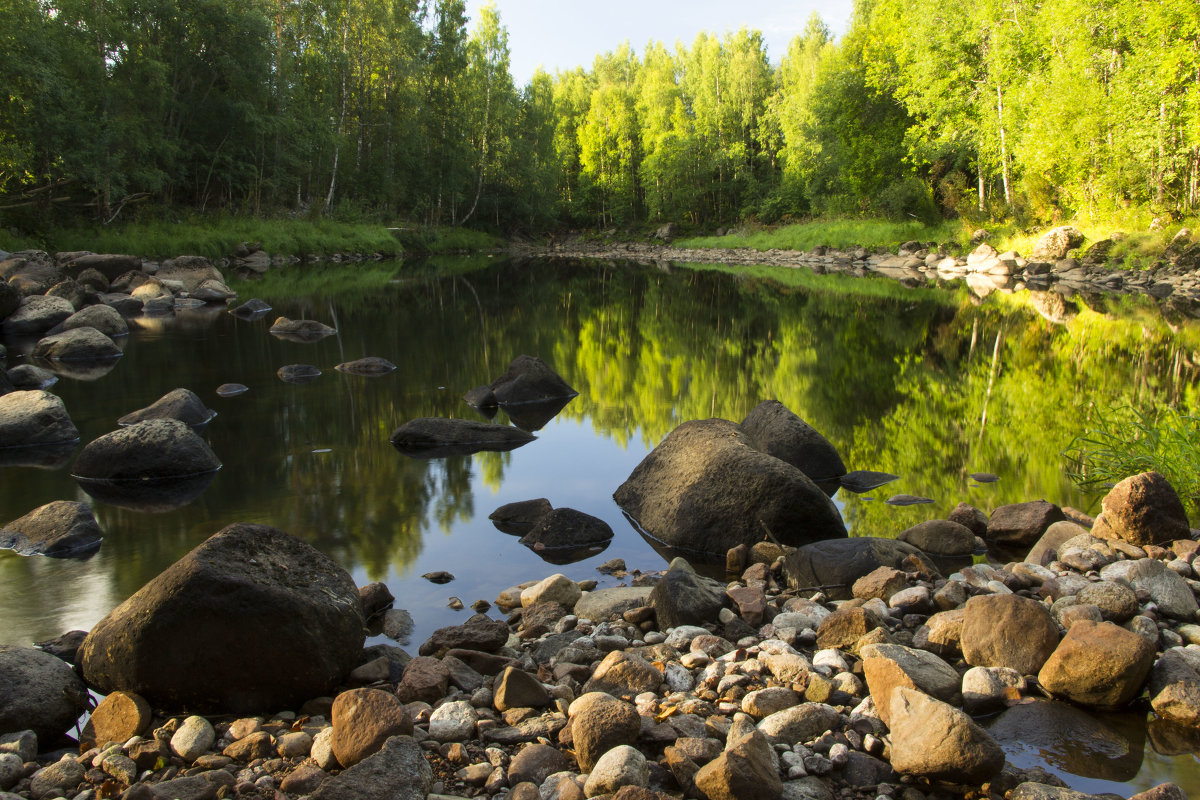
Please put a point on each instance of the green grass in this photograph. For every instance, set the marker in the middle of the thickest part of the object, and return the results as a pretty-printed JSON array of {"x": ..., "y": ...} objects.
[
  {"x": 1137, "y": 247},
  {"x": 317, "y": 280},
  {"x": 1128, "y": 441},
  {"x": 217, "y": 237},
  {"x": 838, "y": 233}
]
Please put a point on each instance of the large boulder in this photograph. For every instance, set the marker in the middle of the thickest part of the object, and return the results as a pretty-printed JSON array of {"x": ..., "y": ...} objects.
[
  {"x": 1056, "y": 243},
  {"x": 778, "y": 432},
  {"x": 34, "y": 418},
  {"x": 77, "y": 344},
  {"x": 1007, "y": 630},
  {"x": 105, "y": 319},
  {"x": 10, "y": 299},
  {"x": 1168, "y": 589},
  {"x": 940, "y": 537},
  {"x": 277, "y": 623},
  {"x": 154, "y": 449},
  {"x": 59, "y": 529},
  {"x": 528, "y": 379},
  {"x": 36, "y": 315},
  {"x": 600, "y": 722},
  {"x": 1020, "y": 525},
  {"x": 1098, "y": 664},
  {"x": 30, "y": 272},
  {"x": 707, "y": 488},
  {"x": 191, "y": 271},
  {"x": 437, "y": 437},
  {"x": 835, "y": 565},
  {"x": 934, "y": 739},
  {"x": 38, "y": 692},
  {"x": 684, "y": 597},
  {"x": 181, "y": 404},
  {"x": 1142, "y": 509}
]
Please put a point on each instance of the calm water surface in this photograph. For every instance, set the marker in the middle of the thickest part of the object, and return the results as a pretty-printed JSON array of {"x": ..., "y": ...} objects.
[{"x": 929, "y": 384}]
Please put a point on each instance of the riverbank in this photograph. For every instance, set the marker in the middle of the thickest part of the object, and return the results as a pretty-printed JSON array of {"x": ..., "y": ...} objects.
[{"x": 872, "y": 686}]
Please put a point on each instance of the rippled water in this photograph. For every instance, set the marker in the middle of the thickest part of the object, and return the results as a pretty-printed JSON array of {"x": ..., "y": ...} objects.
[{"x": 930, "y": 385}]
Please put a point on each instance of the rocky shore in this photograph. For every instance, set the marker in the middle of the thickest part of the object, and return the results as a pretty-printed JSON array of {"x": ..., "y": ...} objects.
[
  {"x": 1173, "y": 279},
  {"x": 843, "y": 669}
]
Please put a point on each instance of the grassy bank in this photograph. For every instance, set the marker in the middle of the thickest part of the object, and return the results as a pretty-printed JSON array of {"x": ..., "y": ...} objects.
[{"x": 218, "y": 237}]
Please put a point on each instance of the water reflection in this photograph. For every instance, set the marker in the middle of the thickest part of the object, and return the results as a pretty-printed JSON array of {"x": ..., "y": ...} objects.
[{"x": 929, "y": 385}]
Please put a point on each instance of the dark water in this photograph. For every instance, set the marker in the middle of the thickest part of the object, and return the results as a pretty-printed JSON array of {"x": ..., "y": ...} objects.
[{"x": 930, "y": 385}]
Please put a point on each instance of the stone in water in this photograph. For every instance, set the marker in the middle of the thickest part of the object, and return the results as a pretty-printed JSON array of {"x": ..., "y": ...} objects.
[
  {"x": 231, "y": 389},
  {"x": 907, "y": 500},
  {"x": 864, "y": 480}
]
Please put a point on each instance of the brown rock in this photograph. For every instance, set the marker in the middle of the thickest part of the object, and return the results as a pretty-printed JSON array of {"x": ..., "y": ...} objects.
[
  {"x": 1142, "y": 510},
  {"x": 519, "y": 689},
  {"x": 941, "y": 537},
  {"x": 535, "y": 763},
  {"x": 600, "y": 722},
  {"x": 1007, "y": 631},
  {"x": 844, "y": 627},
  {"x": 477, "y": 633},
  {"x": 1020, "y": 525},
  {"x": 363, "y": 719},
  {"x": 881, "y": 582},
  {"x": 119, "y": 717},
  {"x": 746, "y": 770},
  {"x": 424, "y": 679},
  {"x": 303, "y": 780},
  {"x": 1098, "y": 664},
  {"x": 933, "y": 739},
  {"x": 1164, "y": 791},
  {"x": 971, "y": 518},
  {"x": 888, "y": 666},
  {"x": 751, "y": 603},
  {"x": 1045, "y": 549},
  {"x": 1175, "y": 687},
  {"x": 624, "y": 675},
  {"x": 942, "y": 633},
  {"x": 257, "y": 745}
]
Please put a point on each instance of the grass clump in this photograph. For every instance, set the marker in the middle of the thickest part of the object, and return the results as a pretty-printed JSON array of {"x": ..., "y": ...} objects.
[
  {"x": 840, "y": 233},
  {"x": 1128, "y": 441}
]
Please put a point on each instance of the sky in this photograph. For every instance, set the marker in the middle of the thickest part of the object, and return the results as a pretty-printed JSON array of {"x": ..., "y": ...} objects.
[{"x": 563, "y": 34}]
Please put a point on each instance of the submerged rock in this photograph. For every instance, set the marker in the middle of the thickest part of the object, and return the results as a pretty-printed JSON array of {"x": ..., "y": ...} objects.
[
  {"x": 438, "y": 437},
  {"x": 371, "y": 366},
  {"x": 567, "y": 528},
  {"x": 279, "y": 599},
  {"x": 706, "y": 488},
  {"x": 298, "y": 373},
  {"x": 301, "y": 330},
  {"x": 77, "y": 344},
  {"x": 529, "y": 379}
]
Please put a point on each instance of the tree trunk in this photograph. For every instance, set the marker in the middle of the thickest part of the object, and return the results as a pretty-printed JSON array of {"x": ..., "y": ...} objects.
[{"x": 1003, "y": 149}]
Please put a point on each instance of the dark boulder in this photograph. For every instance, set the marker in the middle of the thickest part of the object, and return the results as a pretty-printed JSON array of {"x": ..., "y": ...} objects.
[
  {"x": 1018, "y": 526},
  {"x": 151, "y": 450},
  {"x": 477, "y": 633},
  {"x": 776, "y": 431},
  {"x": 836, "y": 564},
  {"x": 940, "y": 537},
  {"x": 77, "y": 344},
  {"x": 36, "y": 315},
  {"x": 684, "y": 597},
  {"x": 438, "y": 437},
  {"x": 1143, "y": 509},
  {"x": 38, "y": 692},
  {"x": 181, "y": 404},
  {"x": 528, "y": 379},
  {"x": 34, "y": 418},
  {"x": 27, "y": 376},
  {"x": 519, "y": 517},
  {"x": 61, "y": 529},
  {"x": 279, "y": 622},
  {"x": 124, "y": 304},
  {"x": 110, "y": 265},
  {"x": 706, "y": 488},
  {"x": 93, "y": 280},
  {"x": 73, "y": 292},
  {"x": 567, "y": 528},
  {"x": 30, "y": 272},
  {"x": 370, "y": 367}
]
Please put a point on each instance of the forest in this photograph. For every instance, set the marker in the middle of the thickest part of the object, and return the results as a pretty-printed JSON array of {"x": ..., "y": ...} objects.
[{"x": 405, "y": 110}]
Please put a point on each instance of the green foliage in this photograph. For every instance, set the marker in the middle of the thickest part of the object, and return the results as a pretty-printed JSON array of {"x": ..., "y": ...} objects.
[
  {"x": 832, "y": 232},
  {"x": 1127, "y": 441}
]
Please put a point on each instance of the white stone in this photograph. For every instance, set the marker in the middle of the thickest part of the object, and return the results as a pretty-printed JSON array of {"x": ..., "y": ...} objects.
[
  {"x": 322, "y": 750},
  {"x": 621, "y": 766},
  {"x": 193, "y": 739},
  {"x": 983, "y": 687},
  {"x": 831, "y": 659},
  {"x": 557, "y": 588},
  {"x": 681, "y": 638},
  {"x": 677, "y": 677}
]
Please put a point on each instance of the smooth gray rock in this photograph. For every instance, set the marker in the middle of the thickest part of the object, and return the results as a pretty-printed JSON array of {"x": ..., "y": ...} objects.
[
  {"x": 181, "y": 404},
  {"x": 682, "y": 597},
  {"x": 397, "y": 772},
  {"x": 34, "y": 417},
  {"x": 777, "y": 431},
  {"x": 105, "y": 319},
  {"x": 77, "y": 344},
  {"x": 149, "y": 450},
  {"x": 60, "y": 529},
  {"x": 36, "y": 315}
]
